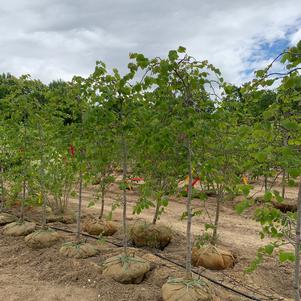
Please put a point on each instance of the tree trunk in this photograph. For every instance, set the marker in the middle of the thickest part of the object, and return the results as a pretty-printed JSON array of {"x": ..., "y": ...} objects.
[
  {"x": 102, "y": 202},
  {"x": 42, "y": 175},
  {"x": 189, "y": 216},
  {"x": 24, "y": 177},
  {"x": 265, "y": 183},
  {"x": 44, "y": 200},
  {"x": 23, "y": 201},
  {"x": 124, "y": 174},
  {"x": 297, "y": 249},
  {"x": 79, "y": 209},
  {"x": 285, "y": 143},
  {"x": 283, "y": 183},
  {"x": 2, "y": 189},
  {"x": 156, "y": 212},
  {"x": 219, "y": 199}
]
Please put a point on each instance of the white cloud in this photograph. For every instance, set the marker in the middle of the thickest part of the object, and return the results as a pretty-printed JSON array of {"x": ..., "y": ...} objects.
[
  {"x": 295, "y": 37},
  {"x": 56, "y": 39}
]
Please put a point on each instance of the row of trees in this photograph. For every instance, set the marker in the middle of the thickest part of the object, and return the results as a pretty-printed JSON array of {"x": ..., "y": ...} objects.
[{"x": 165, "y": 119}]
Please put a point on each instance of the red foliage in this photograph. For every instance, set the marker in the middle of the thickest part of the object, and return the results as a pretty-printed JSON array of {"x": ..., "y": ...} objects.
[{"x": 72, "y": 150}]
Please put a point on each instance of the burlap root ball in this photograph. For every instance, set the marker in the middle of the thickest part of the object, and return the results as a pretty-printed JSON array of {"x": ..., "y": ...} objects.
[
  {"x": 126, "y": 269},
  {"x": 19, "y": 228},
  {"x": 99, "y": 227},
  {"x": 40, "y": 209},
  {"x": 212, "y": 258},
  {"x": 6, "y": 218},
  {"x": 186, "y": 290},
  {"x": 78, "y": 250},
  {"x": 68, "y": 217},
  {"x": 40, "y": 239},
  {"x": 150, "y": 235}
]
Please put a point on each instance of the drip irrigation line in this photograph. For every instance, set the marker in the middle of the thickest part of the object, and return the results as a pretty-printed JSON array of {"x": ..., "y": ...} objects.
[
  {"x": 247, "y": 287},
  {"x": 86, "y": 235},
  {"x": 177, "y": 264}
]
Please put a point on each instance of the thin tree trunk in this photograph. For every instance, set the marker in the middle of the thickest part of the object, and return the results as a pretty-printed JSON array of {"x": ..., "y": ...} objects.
[
  {"x": 283, "y": 183},
  {"x": 42, "y": 175},
  {"x": 24, "y": 177},
  {"x": 23, "y": 201},
  {"x": 102, "y": 203},
  {"x": 156, "y": 212},
  {"x": 285, "y": 143},
  {"x": 79, "y": 209},
  {"x": 189, "y": 216},
  {"x": 297, "y": 249},
  {"x": 217, "y": 213},
  {"x": 124, "y": 174},
  {"x": 265, "y": 183},
  {"x": 2, "y": 189}
]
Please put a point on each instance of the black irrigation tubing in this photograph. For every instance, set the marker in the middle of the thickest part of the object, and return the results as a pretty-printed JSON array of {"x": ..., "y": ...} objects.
[
  {"x": 84, "y": 234},
  {"x": 250, "y": 288},
  {"x": 173, "y": 262}
]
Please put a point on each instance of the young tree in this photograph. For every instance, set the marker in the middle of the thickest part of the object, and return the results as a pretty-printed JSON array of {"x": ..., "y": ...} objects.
[
  {"x": 184, "y": 86},
  {"x": 284, "y": 117},
  {"x": 117, "y": 98}
]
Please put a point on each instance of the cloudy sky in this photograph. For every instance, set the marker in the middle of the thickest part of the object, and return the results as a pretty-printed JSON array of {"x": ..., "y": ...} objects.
[{"x": 52, "y": 39}]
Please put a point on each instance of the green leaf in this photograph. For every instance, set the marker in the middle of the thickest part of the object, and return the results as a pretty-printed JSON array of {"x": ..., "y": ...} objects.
[
  {"x": 269, "y": 249},
  {"x": 294, "y": 172},
  {"x": 123, "y": 186},
  {"x": 164, "y": 202},
  {"x": 203, "y": 196},
  {"x": 286, "y": 256},
  {"x": 260, "y": 73},
  {"x": 242, "y": 206},
  {"x": 173, "y": 55},
  {"x": 268, "y": 196},
  {"x": 289, "y": 124},
  {"x": 261, "y": 157},
  {"x": 91, "y": 204},
  {"x": 269, "y": 82},
  {"x": 278, "y": 197},
  {"x": 73, "y": 194},
  {"x": 197, "y": 213},
  {"x": 209, "y": 226},
  {"x": 246, "y": 189},
  {"x": 291, "y": 183},
  {"x": 181, "y": 49},
  {"x": 290, "y": 82}
]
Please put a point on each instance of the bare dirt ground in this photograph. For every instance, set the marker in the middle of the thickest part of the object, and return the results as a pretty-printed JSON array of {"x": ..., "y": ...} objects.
[{"x": 27, "y": 274}]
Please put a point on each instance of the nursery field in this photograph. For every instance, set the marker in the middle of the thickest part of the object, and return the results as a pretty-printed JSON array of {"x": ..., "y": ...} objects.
[
  {"x": 164, "y": 183},
  {"x": 28, "y": 274}
]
